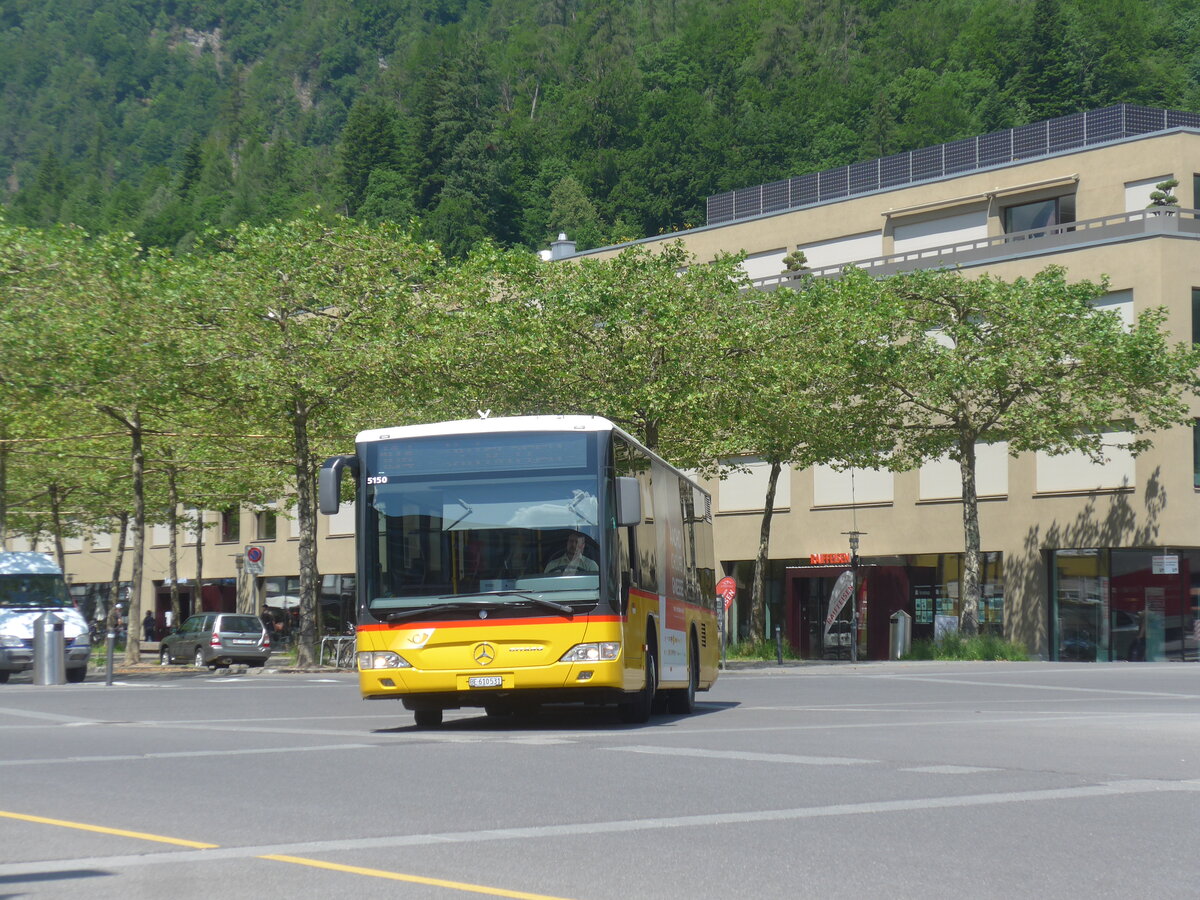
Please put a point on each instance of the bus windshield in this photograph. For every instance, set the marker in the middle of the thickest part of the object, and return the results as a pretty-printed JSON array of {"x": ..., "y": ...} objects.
[{"x": 514, "y": 536}]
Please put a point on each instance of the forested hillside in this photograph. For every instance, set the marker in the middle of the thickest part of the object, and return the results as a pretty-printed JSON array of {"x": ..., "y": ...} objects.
[{"x": 515, "y": 119}]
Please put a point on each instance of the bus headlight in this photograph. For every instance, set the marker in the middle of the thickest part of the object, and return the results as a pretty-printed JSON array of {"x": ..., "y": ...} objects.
[
  {"x": 382, "y": 659},
  {"x": 592, "y": 652}
]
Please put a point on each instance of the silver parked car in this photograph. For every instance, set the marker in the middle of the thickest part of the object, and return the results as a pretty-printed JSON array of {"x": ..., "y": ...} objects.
[{"x": 209, "y": 639}]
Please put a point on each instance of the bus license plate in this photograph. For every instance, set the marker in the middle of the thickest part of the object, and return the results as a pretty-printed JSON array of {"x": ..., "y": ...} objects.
[{"x": 485, "y": 681}]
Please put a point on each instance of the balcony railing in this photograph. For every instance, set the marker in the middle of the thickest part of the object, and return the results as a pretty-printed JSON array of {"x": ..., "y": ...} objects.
[{"x": 1036, "y": 241}]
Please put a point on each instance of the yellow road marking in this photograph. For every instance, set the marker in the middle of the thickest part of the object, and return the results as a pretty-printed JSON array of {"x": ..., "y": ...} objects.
[
  {"x": 415, "y": 879},
  {"x": 120, "y": 832}
]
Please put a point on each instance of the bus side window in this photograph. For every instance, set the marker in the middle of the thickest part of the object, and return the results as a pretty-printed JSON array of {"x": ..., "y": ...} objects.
[{"x": 627, "y": 556}]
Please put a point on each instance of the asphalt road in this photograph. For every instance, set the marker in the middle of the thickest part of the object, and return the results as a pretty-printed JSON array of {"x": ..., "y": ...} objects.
[{"x": 878, "y": 780}]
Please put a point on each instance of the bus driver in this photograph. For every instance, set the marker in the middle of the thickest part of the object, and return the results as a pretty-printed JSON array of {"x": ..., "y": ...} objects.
[{"x": 572, "y": 561}]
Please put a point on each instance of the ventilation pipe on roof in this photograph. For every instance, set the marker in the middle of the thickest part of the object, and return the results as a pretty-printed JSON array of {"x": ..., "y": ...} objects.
[{"x": 562, "y": 248}]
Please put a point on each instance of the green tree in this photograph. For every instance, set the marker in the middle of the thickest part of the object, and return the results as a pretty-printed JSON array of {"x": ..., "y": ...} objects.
[
  {"x": 371, "y": 142},
  {"x": 319, "y": 332},
  {"x": 944, "y": 363}
]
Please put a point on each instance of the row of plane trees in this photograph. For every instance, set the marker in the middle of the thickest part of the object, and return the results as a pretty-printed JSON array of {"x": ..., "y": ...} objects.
[{"x": 137, "y": 383}]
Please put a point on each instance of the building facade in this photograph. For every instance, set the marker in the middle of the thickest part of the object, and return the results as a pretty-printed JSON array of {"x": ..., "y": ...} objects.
[{"x": 1083, "y": 561}]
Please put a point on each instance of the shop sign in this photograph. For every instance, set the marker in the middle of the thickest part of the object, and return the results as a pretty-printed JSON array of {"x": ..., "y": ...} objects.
[
  {"x": 1164, "y": 565},
  {"x": 829, "y": 559}
]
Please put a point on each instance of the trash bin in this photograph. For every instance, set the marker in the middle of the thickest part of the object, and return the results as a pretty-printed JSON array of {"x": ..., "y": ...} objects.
[
  {"x": 49, "y": 650},
  {"x": 899, "y": 634}
]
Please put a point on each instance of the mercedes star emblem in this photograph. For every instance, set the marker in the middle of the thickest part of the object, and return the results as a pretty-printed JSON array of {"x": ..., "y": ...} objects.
[{"x": 484, "y": 654}]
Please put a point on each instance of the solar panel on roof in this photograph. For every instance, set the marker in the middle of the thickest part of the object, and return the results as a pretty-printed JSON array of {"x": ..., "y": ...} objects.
[
  {"x": 1066, "y": 133},
  {"x": 804, "y": 190},
  {"x": 961, "y": 156},
  {"x": 998, "y": 148},
  {"x": 833, "y": 183},
  {"x": 775, "y": 196},
  {"x": 1029, "y": 140}
]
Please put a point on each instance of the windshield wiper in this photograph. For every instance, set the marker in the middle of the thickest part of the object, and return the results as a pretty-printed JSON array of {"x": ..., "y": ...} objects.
[
  {"x": 466, "y": 506},
  {"x": 536, "y": 601},
  {"x": 481, "y": 603},
  {"x": 419, "y": 611}
]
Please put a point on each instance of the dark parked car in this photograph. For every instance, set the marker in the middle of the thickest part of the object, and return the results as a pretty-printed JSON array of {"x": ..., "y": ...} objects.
[{"x": 208, "y": 639}]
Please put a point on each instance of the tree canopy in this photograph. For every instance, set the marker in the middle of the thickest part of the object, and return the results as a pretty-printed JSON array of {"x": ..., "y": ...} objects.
[{"x": 516, "y": 121}]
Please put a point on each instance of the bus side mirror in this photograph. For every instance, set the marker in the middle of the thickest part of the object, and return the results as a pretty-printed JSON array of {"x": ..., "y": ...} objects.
[
  {"x": 629, "y": 502},
  {"x": 329, "y": 482}
]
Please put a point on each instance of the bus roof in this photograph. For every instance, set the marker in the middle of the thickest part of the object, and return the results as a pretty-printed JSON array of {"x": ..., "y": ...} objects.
[
  {"x": 513, "y": 423},
  {"x": 489, "y": 426}
]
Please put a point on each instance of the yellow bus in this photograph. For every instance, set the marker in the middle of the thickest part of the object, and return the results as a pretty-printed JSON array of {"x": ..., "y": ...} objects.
[{"x": 512, "y": 562}]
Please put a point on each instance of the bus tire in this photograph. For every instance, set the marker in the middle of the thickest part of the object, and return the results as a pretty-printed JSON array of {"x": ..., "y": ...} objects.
[
  {"x": 76, "y": 675},
  {"x": 427, "y": 718},
  {"x": 637, "y": 711},
  {"x": 682, "y": 701}
]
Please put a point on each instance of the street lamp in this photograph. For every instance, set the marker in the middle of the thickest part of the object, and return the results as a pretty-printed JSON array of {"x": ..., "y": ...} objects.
[{"x": 854, "y": 536}]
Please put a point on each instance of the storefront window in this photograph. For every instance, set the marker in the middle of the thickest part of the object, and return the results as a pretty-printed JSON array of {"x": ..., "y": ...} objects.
[
  {"x": 1134, "y": 605},
  {"x": 1079, "y": 590},
  {"x": 935, "y": 581}
]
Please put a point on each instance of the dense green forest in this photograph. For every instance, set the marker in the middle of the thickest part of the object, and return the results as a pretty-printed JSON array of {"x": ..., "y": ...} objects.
[{"x": 514, "y": 119}]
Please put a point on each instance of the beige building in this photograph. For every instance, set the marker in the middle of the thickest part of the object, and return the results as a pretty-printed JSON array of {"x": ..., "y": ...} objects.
[{"x": 1084, "y": 561}]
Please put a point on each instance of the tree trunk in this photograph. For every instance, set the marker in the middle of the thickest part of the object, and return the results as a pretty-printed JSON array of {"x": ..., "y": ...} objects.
[
  {"x": 56, "y": 526},
  {"x": 3, "y": 487},
  {"x": 306, "y": 515},
  {"x": 134, "y": 618},
  {"x": 173, "y": 552},
  {"x": 758, "y": 600},
  {"x": 198, "y": 598},
  {"x": 114, "y": 589},
  {"x": 969, "y": 623}
]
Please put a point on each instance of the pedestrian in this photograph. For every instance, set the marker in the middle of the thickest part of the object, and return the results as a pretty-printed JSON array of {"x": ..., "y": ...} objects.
[{"x": 148, "y": 626}]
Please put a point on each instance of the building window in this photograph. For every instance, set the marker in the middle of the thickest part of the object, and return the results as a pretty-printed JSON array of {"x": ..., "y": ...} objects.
[
  {"x": 1196, "y": 315},
  {"x": 231, "y": 526},
  {"x": 267, "y": 524},
  {"x": 1039, "y": 214},
  {"x": 1196, "y": 454}
]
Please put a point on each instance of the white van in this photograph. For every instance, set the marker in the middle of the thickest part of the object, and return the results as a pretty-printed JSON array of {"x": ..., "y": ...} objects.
[{"x": 32, "y": 584}]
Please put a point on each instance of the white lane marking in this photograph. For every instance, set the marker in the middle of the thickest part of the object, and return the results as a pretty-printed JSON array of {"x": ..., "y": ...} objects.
[
  {"x": 591, "y": 829},
  {"x": 949, "y": 770},
  {"x": 747, "y": 756},
  {"x": 182, "y": 754},
  {"x": 1044, "y": 687}
]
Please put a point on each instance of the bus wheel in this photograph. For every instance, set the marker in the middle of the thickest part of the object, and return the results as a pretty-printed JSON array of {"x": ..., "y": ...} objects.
[
  {"x": 3, "y": 677},
  {"x": 427, "y": 718},
  {"x": 682, "y": 701},
  {"x": 77, "y": 675},
  {"x": 637, "y": 711}
]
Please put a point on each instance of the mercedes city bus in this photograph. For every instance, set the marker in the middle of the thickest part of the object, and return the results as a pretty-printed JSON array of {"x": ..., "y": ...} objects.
[{"x": 511, "y": 562}]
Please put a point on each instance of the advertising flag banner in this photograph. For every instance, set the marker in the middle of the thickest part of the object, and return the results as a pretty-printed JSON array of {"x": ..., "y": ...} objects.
[{"x": 842, "y": 589}]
